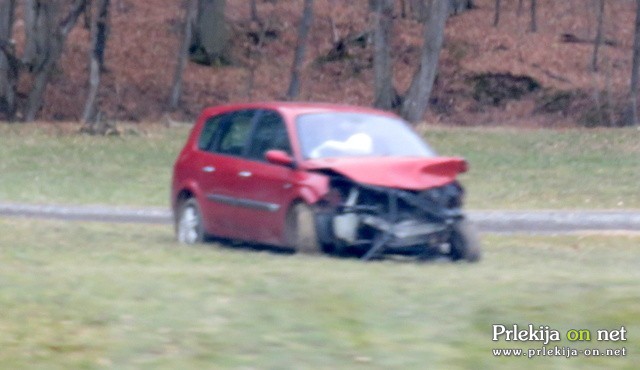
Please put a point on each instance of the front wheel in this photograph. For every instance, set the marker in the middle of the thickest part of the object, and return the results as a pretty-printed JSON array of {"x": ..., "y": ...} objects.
[
  {"x": 465, "y": 242},
  {"x": 302, "y": 235},
  {"x": 189, "y": 226}
]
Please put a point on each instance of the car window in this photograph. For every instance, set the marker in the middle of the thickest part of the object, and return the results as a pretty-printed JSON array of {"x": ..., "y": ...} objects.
[
  {"x": 209, "y": 130},
  {"x": 234, "y": 133},
  {"x": 270, "y": 133},
  {"x": 344, "y": 134}
]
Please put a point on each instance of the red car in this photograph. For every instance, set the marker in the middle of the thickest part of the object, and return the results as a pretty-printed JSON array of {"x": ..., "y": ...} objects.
[{"x": 319, "y": 178}]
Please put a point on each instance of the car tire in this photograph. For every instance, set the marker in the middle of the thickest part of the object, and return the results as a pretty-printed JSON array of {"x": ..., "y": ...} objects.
[
  {"x": 302, "y": 235},
  {"x": 189, "y": 225},
  {"x": 465, "y": 242}
]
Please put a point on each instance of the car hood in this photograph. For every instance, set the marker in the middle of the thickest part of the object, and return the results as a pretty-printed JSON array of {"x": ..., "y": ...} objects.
[{"x": 412, "y": 173}]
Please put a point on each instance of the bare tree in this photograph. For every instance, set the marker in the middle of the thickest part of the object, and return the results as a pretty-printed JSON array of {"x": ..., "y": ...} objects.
[
  {"x": 416, "y": 9},
  {"x": 635, "y": 72},
  {"x": 599, "y": 35},
  {"x": 45, "y": 47},
  {"x": 403, "y": 8},
  {"x": 99, "y": 35},
  {"x": 382, "y": 64},
  {"x": 301, "y": 46},
  {"x": 496, "y": 14},
  {"x": 210, "y": 39},
  {"x": 416, "y": 101},
  {"x": 8, "y": 67},
  {"x": 46, "y": 33},
  {"x": 254, "y": 11},
  {"x": 183, "y": 53},
  {"x": 534, "y": 21},
  {"x": 458, "y": 6},
  {"x": 335, "y": 36},
  {"x": 520, "y": 6}
]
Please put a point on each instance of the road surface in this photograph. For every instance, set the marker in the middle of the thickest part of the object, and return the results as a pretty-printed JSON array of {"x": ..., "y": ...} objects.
[{"x": 496, "y": 221}]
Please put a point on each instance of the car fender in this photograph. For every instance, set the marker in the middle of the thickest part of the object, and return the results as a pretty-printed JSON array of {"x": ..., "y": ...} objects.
[{"x": 313, "y": 186}]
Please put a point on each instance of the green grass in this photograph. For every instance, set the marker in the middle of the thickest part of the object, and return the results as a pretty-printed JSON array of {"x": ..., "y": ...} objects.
[
  {"x": 39, "y": 164},
  {"x": 510, "y": 169},
  {"x": 85, "y": 295},
  {"x": 546, "y": 169}
]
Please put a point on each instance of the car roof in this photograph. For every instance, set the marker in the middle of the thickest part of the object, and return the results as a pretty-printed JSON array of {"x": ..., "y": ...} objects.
[{"x": 297, "y": 108}]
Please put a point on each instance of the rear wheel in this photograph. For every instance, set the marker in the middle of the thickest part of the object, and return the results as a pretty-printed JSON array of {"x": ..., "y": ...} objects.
[
  {"x": 301, "y": 230},
  {"x": 465, "y": 242},
  {"x": 189, "y": 226}
]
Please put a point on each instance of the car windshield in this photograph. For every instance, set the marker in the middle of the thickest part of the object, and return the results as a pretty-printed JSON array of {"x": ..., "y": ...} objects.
[{"x": 339, "y": 134}]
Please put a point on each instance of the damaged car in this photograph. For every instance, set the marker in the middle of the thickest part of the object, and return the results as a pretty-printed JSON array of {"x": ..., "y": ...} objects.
[{"x": 319, "y": 178}]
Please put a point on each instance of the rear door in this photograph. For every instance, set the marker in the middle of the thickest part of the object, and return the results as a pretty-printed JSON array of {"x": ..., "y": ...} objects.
[
  {"x": 266, "y": 188},
  {"x": 224, "y": 141}
]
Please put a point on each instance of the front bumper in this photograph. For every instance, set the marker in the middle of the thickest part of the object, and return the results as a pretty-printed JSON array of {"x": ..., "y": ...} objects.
[{"x": 401, "y": 222}]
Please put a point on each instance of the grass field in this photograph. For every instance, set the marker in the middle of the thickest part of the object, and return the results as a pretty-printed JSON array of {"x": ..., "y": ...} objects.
[
  {"x": 42, "y": 164},
  {"x": 90, "y": 295},
  {"x": 510, "y": 169},
  {"x": 546, "y": 169}
]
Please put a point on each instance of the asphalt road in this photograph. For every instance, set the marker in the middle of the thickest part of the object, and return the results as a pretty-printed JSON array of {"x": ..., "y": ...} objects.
[{"x": 528, "y": 222}]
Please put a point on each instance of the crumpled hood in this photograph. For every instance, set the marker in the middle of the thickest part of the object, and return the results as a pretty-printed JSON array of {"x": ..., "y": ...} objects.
[{"x": 411, "y": 173}]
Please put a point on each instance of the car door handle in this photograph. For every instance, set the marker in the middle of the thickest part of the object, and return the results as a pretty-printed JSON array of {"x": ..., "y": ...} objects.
[
  {"x": 208, "y": 169},
  {"x": 244, "y": 174}
]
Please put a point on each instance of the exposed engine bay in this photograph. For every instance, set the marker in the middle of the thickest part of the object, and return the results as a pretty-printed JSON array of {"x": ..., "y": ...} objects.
[{"x": 374, "y": 220}]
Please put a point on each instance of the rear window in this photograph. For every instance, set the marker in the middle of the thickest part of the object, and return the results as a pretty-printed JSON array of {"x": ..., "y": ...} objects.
[
  {"x": 234, "y": 135},
  {"x": 226, "y": 133},
  {"x": 208, "y": 133}
]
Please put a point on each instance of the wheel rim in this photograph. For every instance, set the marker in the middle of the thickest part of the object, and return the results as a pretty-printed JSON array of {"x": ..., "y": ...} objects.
[{"x": 188, "y": 227}]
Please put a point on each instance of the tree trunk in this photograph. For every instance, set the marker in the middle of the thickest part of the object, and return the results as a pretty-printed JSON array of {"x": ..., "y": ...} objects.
[
  {"x": 599, "y": 35},
  {"x": 382, "y": 62},
  {"x": 176, "y": 86},
  {"x": 254, "y": 12},
  {"x": 335, "y": 36},
  {"x": 459, "y": 6},
  {"x": 416, "y": 102},
  {"x": 496, "y": 15},
  {"x": 419, "y": 9},
  {"x": 42, "y": 49},
  {"x": 99, "y": 35},
  {"x": 36, "y": 95},
  {"x": 49, "y": 39},
  {"x": 303, "y": 33},
  {"x": 210, "y": 39},
  {"x": 520, "y": 6},
  {"x": 103, "y": 29},
  {"x": 412, "y": 9},
  {"x": 31, "y": 11},
  {"x": 635, "y": 72},
  {"x": 8, "y": 69},
  {"x": 534, "y": 21}
]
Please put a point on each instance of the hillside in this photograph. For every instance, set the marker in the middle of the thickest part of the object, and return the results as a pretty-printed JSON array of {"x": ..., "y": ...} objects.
[{"x": 564, "y": 91}]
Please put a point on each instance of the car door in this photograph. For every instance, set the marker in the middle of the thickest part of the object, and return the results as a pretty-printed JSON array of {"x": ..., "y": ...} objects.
[
  {"x": 220, "y": 173},
  {"x": 266, "y": 189}
]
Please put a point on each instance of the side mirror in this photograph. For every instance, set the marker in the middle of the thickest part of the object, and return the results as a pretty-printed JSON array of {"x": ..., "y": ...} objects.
[{"x": 280, "y": 157}]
